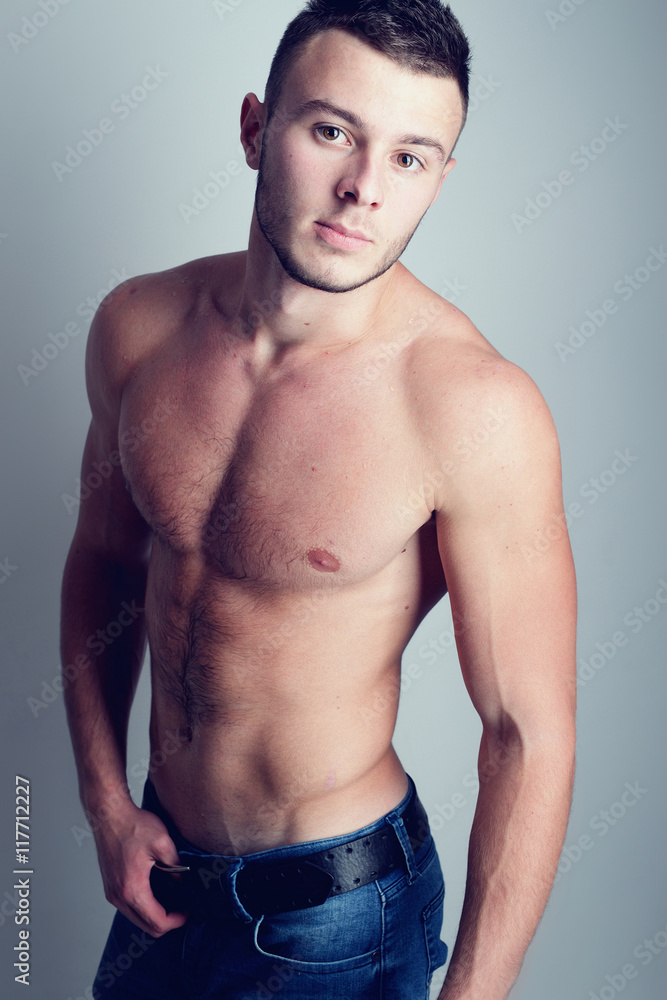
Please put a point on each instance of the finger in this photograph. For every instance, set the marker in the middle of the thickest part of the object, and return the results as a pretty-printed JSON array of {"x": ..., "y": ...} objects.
[
  {"x": 142, "y": 908},
  {"x": 153, "y": 918},
  {"x": 165, "y": 852}
]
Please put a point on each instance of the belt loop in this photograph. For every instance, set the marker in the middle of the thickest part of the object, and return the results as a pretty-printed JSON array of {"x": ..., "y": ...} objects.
[
  {"x": 230, "y": 876},
  {"x": 396, "y": 820},
  {"x": 217, "y": 878}
]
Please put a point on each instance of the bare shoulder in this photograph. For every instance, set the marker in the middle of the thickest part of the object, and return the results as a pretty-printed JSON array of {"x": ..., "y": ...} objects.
[
  {"x": 137, "y": 320},
  {"x": 482, "y": 421}
]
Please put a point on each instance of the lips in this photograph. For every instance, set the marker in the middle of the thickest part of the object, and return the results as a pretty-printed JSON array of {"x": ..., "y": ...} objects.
[
  {"x": 354, "y": 233},
  {"x": 340, "y": 237}
]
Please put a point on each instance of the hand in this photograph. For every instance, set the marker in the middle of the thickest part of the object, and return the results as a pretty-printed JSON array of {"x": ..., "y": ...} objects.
[{"x": 129, "y": 842}]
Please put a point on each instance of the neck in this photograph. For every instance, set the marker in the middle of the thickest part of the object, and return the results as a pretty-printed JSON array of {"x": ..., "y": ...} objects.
[{"x": 277, "y": 314}]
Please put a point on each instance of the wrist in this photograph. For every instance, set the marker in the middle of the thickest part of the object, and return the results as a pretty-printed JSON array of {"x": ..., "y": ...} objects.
[{"x": 102, "y": 800}]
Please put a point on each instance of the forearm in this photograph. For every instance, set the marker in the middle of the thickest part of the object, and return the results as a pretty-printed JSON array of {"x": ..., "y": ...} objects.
[
  {"x": 103, "y": 636},
  {"x": 515, "y": 844}
]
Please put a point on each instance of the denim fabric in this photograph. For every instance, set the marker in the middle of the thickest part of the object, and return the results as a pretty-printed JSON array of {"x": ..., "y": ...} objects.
[{"x": 380, "y": 941}]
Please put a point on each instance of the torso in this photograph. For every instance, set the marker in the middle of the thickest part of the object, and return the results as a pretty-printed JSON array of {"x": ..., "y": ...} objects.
[{"x": 294, "y": 555}]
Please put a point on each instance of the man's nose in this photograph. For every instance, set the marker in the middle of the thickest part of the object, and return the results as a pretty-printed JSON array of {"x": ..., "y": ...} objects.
[{"x": 362, "y": 182}]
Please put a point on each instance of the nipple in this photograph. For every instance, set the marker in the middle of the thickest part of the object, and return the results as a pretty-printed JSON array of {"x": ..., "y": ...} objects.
[{"x": 323, "y": 561}]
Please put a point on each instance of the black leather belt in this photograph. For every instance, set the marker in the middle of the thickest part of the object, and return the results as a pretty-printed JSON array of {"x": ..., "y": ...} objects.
[{"x": 292, "y": 883}]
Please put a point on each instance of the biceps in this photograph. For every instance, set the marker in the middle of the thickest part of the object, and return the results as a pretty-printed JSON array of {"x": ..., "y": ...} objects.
[
  {"x": 516, "y": 620},
  {"x": 108, "y": 520}
]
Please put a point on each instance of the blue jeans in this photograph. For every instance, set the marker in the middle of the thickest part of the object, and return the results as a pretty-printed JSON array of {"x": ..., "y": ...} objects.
[{"x": 380, "y": 941}]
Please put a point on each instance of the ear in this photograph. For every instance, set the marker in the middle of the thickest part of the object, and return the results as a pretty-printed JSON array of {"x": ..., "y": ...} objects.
[
  {"x": 451, "y": 163},
  {"x": 253, "y": 120}
]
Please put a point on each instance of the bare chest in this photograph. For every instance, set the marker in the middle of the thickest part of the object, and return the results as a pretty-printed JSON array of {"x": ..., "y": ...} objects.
[{"x": 300, "y": 482}]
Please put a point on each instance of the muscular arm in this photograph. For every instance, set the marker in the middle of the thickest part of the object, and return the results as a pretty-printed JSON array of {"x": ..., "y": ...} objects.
[
  {"x": 517, "y": 654},
  {"x": 104, "y": 583},
  {"x": 102, "y": 573}
]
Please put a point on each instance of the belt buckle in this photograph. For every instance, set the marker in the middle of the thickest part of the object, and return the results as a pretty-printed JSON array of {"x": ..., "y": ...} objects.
[{"x": 293, "y": 884}]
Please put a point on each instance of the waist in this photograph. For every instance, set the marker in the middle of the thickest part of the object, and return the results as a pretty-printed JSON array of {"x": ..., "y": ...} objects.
[
  {"x": 295, "y": 876},
  {"x": 235, "y": 791},
  {"x": 151, "y": 801}
]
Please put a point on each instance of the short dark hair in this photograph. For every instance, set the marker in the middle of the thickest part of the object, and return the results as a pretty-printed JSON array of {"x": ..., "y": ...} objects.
[{"x": 422, "y": 35}]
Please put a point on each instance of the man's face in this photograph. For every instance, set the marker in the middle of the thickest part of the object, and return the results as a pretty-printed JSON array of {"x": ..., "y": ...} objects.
[{"x": 357, "y": 145}]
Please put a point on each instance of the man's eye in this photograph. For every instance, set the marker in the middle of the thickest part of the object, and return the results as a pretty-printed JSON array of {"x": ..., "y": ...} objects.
[
  {"x": 329, "y": 132},
  {"x": 408, "y": 161}
]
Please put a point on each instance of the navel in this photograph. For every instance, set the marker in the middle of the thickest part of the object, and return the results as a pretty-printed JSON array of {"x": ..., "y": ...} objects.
[{"x": 323, "y": 561}]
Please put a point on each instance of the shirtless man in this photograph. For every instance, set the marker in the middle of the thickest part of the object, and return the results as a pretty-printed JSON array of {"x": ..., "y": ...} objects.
[{"x": 297, "y": 499}]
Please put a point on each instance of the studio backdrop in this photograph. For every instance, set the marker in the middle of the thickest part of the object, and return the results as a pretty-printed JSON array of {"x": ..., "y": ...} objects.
[{"x": 121, "y": 156}]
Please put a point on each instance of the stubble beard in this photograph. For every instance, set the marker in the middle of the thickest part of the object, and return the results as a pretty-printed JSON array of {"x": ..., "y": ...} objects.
[{"x": 274, "y": 222}]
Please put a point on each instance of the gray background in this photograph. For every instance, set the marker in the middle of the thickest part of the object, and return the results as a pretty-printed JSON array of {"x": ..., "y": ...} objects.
[{"x": 544, "y": 88}]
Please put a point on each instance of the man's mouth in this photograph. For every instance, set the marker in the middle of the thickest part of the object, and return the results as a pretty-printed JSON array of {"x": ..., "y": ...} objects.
[{"x": 338, "y": 236}]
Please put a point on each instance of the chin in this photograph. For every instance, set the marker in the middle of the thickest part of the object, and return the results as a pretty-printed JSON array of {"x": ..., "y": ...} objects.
[{"x": 331, "y": 280}]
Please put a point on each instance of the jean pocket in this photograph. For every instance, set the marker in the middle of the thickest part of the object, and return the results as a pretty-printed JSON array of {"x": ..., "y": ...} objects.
[
  {"x": 435, "y": 946},
  {"x": 342, "y": 933}
]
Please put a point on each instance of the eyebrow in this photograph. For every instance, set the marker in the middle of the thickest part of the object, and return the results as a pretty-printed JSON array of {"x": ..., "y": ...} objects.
[{"x": 324, "y": 107}]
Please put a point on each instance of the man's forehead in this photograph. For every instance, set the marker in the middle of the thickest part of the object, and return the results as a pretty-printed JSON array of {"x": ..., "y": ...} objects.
[{"x": 337, "y": 68}]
